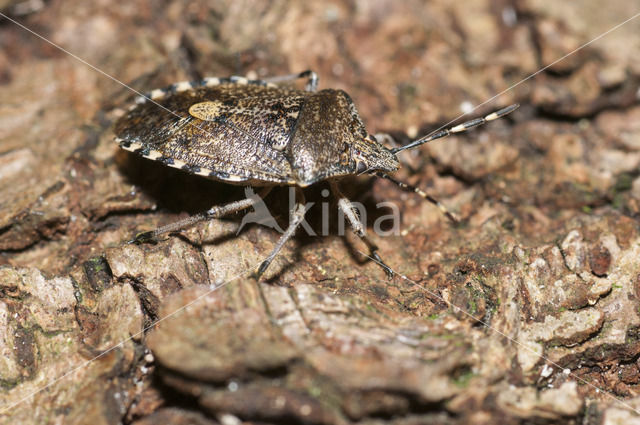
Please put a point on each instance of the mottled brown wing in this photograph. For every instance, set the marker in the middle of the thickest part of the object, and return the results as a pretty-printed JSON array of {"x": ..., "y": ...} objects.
[{"x": 234, "y": 132}]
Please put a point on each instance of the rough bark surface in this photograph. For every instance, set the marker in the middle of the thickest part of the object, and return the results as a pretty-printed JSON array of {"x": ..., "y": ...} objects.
[{"x": 526, "y": 312}]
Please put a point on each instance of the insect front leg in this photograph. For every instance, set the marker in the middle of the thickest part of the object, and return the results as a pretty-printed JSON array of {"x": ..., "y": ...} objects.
[
  {"x": 350, "y": 212},
  {"x": 386, "y": 139},
  {"x": 213, "y": 212},
  {"x": 390, "y": 142},
  {"x": 312, "y": 79}
]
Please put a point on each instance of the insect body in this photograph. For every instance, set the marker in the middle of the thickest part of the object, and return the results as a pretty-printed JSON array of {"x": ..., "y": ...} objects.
[{"x": 257, "y": 133}]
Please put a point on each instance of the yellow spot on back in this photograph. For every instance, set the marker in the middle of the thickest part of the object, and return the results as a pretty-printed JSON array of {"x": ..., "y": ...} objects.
[{"x": 206, "y": 111}]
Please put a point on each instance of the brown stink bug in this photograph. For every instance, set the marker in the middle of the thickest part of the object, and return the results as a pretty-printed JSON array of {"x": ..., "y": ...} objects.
[{"x": 258, "y": 133}]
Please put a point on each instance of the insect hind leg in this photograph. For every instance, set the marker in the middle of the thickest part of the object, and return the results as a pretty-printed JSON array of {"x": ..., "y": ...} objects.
[
  {"x": 410, "y": 188},
  {"x": 312, "y": 79},
  {"x": 213, "y": 212},
  {"x": 350, "y": 212}
]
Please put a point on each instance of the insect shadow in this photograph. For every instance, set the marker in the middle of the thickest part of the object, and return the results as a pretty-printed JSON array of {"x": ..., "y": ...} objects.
[{"x": 178, "y": 192}]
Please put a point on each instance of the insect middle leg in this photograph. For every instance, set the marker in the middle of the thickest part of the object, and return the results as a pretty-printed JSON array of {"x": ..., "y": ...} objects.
[
  {"x": 312, "y": 79},
  {"x": 350, "y": 212},
  {"x": 213, "y": 212},
  {"x": 297, "y": 217}
]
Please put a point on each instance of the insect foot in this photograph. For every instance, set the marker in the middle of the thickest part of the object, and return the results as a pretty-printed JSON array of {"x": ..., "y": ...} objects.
[
  {"x": 259, "y": 133},
  {"x": 144, "y": 237}
]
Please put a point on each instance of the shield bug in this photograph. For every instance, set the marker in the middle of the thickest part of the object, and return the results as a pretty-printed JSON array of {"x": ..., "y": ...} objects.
[{"x": 259, "y": 133}]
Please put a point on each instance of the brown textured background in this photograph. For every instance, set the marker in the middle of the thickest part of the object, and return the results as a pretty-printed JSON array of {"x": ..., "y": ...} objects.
[{"x": 547, "y": 254}]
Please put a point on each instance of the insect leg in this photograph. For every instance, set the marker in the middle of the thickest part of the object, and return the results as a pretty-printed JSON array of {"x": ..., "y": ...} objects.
[
  {"x": 350, "y": 212},
  {"x": 296, "y": 218},
  {"x": 386, "y": 139},
  {"x": 390, "y": 142},
  {"x": 312, "y": 79},
  {"x": 214, "y": 212},
  {"x": 420, "y": 192}
]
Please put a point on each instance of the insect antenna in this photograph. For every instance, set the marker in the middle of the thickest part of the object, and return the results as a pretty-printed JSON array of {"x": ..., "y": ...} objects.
[
  {"x": 410, "y": 188},
  {"x": 458, "y": 128}
]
